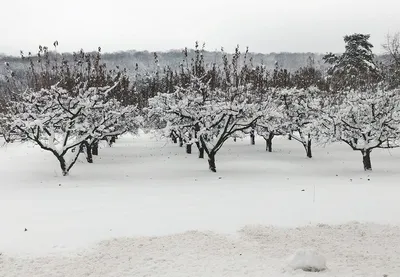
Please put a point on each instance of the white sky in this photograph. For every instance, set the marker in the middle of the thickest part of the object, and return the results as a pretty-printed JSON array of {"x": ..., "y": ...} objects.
[{"x": 158, "y": 25}]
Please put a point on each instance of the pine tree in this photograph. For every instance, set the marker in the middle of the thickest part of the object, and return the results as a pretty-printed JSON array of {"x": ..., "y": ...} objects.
[{"x": 356, "y": 68}]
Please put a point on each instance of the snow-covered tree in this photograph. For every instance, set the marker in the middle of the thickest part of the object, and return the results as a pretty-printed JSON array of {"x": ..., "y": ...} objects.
[
  {"x": 301, "y": 111},
  {"x": 219, "y": 120},
  {"x": 356, "y": 68},
  {"x": 364, "y": 120},
  {"x": 272, "y": 122},
  {"x": 5, "y": 131},
  {"x": 61, "y": 121},
  {"x": 164, "y": 112},
  {"x": 212, "y": 105},
  {"x": 115, "y": 120},
  {"x": 214, "y": 115},
  {"x": 103, "y": 98},
  {"x": 173, "y": 113},
  {"x": 3, "y": 127}
]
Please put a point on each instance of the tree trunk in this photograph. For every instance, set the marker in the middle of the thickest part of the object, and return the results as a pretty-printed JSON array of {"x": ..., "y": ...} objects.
[
  {"x": 180, "y": 142},
  {"x": 189, "y": 148},
  {"x": 63, "y": 165},
  {"x": 89, "y": 156},
  {"x": 367, "y": 159},
  {"x": 269, "y": 142},
  {"x": 201, "y": 150},
  {"x": 173, "y": 137},
  {"x": 308, "y": 148},
  {"x": 211, "y": 162},
  {"x": 73, "y": 161},
  {"x": 95, "y": 148},
  {"x": 112, "y": 140},
  {"x": 290, "y": 137},
  {"x": 201, "y": 153},
  {"x": 252, "y": 137},
  {"x": 269, "y": 145},
  {"x": 64, "y": 168},
  {"x": 86, "y": 146}
]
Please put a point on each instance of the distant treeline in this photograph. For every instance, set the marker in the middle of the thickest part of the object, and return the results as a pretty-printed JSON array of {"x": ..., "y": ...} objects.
[{"x": 144, "y": 60}]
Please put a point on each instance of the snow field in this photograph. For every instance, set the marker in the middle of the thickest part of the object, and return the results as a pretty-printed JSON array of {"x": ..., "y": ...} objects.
[
  {"x": 352, "y": 249},
  {"x": 145, "y": 208}
]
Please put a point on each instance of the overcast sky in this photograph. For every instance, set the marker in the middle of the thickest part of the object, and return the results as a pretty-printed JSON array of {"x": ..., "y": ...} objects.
[{"x": 158, "y": 25}]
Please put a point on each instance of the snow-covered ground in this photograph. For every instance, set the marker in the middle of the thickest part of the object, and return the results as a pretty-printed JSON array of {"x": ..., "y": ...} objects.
[{"x": 145, "y": 208}]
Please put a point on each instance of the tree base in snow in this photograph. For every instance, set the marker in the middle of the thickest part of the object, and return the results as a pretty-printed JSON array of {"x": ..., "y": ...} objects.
[
  {"x": 211, "y": 164},
  {"x": 188, "y": 149}
]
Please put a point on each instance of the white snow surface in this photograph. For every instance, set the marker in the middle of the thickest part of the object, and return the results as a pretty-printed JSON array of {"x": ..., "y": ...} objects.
[
  {"x": 145, "y": 208},
  {"x": 307, "y": 260}
]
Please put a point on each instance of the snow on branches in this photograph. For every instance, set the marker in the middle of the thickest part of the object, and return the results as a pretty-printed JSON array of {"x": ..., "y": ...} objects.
[
  {"x": 272, "y": 122},
  {"x": 301, "y": 111},
  {"x": 365, "y": 120},
  {"x": 213, "y": 115},
  {"x": 61, "y": 121}
]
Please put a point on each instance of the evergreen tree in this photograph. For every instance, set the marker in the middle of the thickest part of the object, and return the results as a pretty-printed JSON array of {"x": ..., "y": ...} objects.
[{"x": 356, "y": 68}]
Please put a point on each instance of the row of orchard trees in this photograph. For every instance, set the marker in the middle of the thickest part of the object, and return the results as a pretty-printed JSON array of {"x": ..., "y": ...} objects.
[
  {"x": 354, "y": 104},
  {"x": 67, "y": 106}
]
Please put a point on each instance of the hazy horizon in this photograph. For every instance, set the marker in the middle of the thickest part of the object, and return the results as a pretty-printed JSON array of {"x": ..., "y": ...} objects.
[
  {"x": 189, "y": 47},
  {"x": 315, "y": 26}
]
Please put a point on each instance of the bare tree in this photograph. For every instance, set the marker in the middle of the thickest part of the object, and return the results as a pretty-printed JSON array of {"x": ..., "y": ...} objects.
[{"x": 392, "y": 63}]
